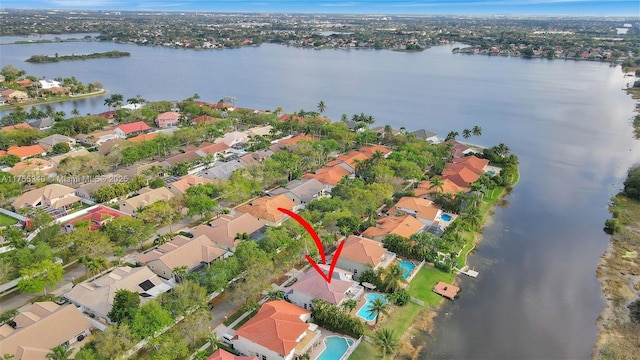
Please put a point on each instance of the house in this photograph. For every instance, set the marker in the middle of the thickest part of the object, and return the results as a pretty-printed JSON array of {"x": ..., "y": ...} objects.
[
  {"x": 107, "y": 146},
  {"x": 215, "y": 150},
  {"x": 42, "y": 124},
  {"x": 180, "y": 186},
  {"x": 232, "y": 138},
  {"x": 371, "y": 150},
  {"x": 425, "y": 188},
  {"x": 16, "y": 126},
  {"x": 86, "y": 190},
  {"x": 146, "y": 197},
  {"x": 404, "y": 226},
  {"x": 125, "y": 130},
  {"x": 24, "y": 152},
  {"x": 222, "y": 170},
  {"x": 34, "y": 167},
  {"x": 447, "y": 290},
  {"x": 312, "y": 285},
  {"x": 359, "y": 254},
  {"x": 473, "y": 162},
  {"x": 48, "y": 84},
  {"x": 255, "y": 157},
  {"x": 422, "y": 209},
  {"x": 47, "y": 143},
  {"x": 296, "y": 139},
  {"x": 459, "y": 149},
  {"x": 73, "y": 153},
  {"x": 203, "y": 119},
  {"x": 96, "y": 297},
  {"x": 348, "y": 161},
  {"x": 460, "y": 174},
  {"x": 189, "y": 157},
  {"x": 143, "y": 137},
  {"x": 180, "y": 251},
  {"x": 301, "y": 192},
  {"x": 98, "y": 216},
  {"x": 426, "y": 135},
  {"x": 55, "y": 196},
  {"x": 265, "y": 209},
  {"x": 224, "y": 230},
  {"x": 279, "y": 331},
  {"x": 168, "y": 119},
  {"x": 140, "y": 169},
  {"x": 259, "y": 130},
  {"x": 42, "y": 327},
  {"x": 221, "y": 354},
  {"x": 98, "y": 137},
  {"x": 13, "y": 96},
  {"x": 329, "y": 176}
]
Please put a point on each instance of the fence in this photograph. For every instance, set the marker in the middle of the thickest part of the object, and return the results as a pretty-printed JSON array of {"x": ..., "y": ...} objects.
[{"x": 352, "y": 348}]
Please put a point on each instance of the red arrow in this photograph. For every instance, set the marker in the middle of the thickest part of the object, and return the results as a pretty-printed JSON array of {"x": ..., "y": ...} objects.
[{"x": 318, "y": 242}]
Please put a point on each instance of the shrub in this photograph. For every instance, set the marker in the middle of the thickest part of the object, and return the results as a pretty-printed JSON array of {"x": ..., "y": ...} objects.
[{"x": 400, "y": 297}]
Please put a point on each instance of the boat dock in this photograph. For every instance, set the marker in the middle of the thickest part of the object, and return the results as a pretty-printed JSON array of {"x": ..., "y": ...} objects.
[{"x": 465, "y": 270}]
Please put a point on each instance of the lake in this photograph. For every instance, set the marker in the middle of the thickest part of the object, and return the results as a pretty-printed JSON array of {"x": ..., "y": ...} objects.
[{"x": 569, "y": 122}]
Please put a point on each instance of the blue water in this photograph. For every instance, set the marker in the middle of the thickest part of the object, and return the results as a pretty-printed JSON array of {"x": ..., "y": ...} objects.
[
  {"x": 336, "y": 347},
  {"x": 364, "y": 310},
  {"x": 446, "y": 217},
  {"x": 407, "y": 267}
]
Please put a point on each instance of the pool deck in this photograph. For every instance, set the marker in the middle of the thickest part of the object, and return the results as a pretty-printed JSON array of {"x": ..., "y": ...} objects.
[{"x": 317, "y": 349}]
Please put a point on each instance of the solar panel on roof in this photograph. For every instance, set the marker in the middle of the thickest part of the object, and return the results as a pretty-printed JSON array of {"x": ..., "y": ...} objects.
[{"x": 146, "y": 285}]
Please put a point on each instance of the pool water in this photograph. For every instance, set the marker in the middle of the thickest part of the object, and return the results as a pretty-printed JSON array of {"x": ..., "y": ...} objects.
[
  {"x": 364, "y": 310},
  {"x": 336, "y": 347},
  {"x": 407, "y": 267},
  {"x": 446, "y": 217}
]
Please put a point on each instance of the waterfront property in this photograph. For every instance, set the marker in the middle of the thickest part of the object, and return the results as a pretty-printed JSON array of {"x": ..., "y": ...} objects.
[
  {"x": 446, "y": 290},
  {"x": 364, "y": 311},
  {"x": 407, "y": 267},
  {"x": 335, "y": 347},
  {"x": 359, "y": 254},
  {"x": 312, "y": 286}
]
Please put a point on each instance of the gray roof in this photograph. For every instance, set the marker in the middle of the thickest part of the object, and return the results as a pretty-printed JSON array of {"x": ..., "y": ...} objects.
[
  {"x": 42, "y": 123},
  {"x": 305, "y": 189},
  {"x": 424, "y": 134},
  {"x": 222, "y": 170},
  {"x": 190, "y": 156},
  {"x": 56, "y": 139}
]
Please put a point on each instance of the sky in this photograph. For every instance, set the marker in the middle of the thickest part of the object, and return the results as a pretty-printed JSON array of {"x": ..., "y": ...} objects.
[{"x": 483, "y": 7}]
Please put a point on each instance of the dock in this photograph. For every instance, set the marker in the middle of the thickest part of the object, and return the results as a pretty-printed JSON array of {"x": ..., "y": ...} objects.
[{"x": 465, "y": 270}]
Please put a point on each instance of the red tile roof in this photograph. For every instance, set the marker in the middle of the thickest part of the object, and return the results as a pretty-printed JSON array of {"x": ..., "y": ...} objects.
[
  {"x": 16, "y": 126},
  {"x": 277, "y": 326},
  {"x": 133, "y": 127},
  {"x": 223, "y": 355},
  {"x": 473, "y": 162},
  {"x": 25, "y": 151},
  {"x": 142, "y": 137},
  {"x": 266, "y": 208},
  {"x": 330, "y": 176},
  {"x": 298, "y": 138},
  {"x": 98, "y": 216},
  {"x": 203, "y": 118}
]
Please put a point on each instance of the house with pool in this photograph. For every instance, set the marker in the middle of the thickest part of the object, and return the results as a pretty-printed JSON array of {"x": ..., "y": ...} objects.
[
  {"x": 313, "y": 286},
  {"x": 279, "y": 331},
  {"x": 359, "y": 254},
  {"x": 423, "y": 210}
]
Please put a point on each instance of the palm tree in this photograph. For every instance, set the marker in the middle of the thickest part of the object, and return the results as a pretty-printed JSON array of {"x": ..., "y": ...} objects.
[
  {"x": 101, "y": 264},
  {"x": 437, "y": 184},
  {"x": 476, "y": 130},
  {"x": 349, "y": 305},
  {"x": 180, "y": 272},
  {"x": 466, "y": 133},
  {"x": 378, "y": 307},
  {"x": 386, "y": 341},
  {"x": 321, "y": 107},
  {"x": 87, "y": 261},
  {"x": 473, "y": 217},
  {"x": 394, "y": 277},
  {"x": 60, "y": 352}
]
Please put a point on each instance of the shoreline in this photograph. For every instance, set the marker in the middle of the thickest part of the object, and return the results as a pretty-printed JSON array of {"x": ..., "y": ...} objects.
[{"x": 56, "y": 100}]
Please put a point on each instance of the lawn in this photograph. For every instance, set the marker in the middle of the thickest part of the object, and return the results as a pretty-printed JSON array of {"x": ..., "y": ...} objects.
[{"x": 7, "y": 220}]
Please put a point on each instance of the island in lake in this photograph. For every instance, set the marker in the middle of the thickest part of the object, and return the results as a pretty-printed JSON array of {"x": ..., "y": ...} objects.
[{"x": 42, "y": 59}]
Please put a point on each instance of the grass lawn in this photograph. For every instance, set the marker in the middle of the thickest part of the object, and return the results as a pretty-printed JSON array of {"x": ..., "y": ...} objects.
[{"x": 7, "y": 220}]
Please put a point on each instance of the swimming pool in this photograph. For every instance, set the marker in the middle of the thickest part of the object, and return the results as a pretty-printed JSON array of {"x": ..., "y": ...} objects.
[
  {"x": 446, "y": 217},
  {"x": 407, "y": 267},
  {"x": 336, "y": 346},
  {"x": 364, "y": 310}
]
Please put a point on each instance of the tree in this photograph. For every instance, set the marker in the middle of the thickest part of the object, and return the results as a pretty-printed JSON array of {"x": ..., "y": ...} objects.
[
  {"x": 185, "y": 297},
  {"x": 200, "y": 205},
  {"x": 476, "y": 130},
  {"x": 39, "y": 276},
  {"x": 378, "y": 307},
  {"x": 60, "y": 352},
  {"x": 194, "y": 326},
  {"x": 466, "y": 133},
  {"x": 393, "y": 278},
  {"x": 114, "y": 341},
  {"x": 125, "y": 306},
  {"x": 349, "y": 305},
  {"x": 150, "y": 318},
  {"x": 451, "y": 135},
  {"x": 632, "y": 183},
  {"x": 386, "y": 341},
  {"x": 159, "y": 213},
  {"x": 321, "y": 107},
  {"x": 127, "y": 231},
  {"x": 167, "y": 347},
  {"x": 61, "y": 148},
  {"x": 180, "y": 272},
  {"x": 437, "y": 184}
]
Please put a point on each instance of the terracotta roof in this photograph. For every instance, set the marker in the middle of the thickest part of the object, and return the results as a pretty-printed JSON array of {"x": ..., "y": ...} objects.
[
  {"x": 26, "y": 151},
  {"x": 208, "y": 148},
  {"x": 223, "y": 355},
  {"x": 133, "y": 127},
  {"x": 168, "y": 116},
  {"x": 403, "y": 225},
  {"x": 460, "y": 174},
  {"x": 363, "y": 250},
  {"x": 266, "y": 208},
  {"x": 472, "y": 162},
  {"x": 186, "y": 182},
  {"x": 40, "y": 328},
  {"x": 223, "y": 230},
  {"x": 189, "y": 156},
  {"x": 183, "y": 251},
  {"x": 16, "y": 126},
  {"x": 423, "y": 208},
  {"x": 277, "y": 326},
  {"x": 349, "y": 159},
  {"x": 143, "y": 137},
  {"x": 371, "y": 149},
  {"x": 98, "y": 216},
  {"x": 330, "y": 176},
  {"x": 448, "y": 187},
  {"x": 24, "y": 82},
  {"x": 204, "y": 118}
]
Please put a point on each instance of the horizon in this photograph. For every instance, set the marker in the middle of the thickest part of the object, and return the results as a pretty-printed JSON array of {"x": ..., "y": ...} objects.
[{"x": 597, "y": 8}]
